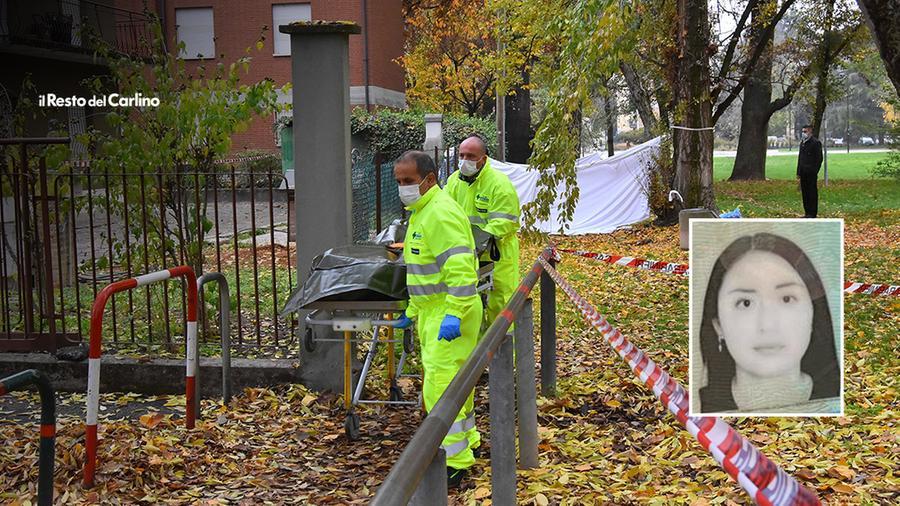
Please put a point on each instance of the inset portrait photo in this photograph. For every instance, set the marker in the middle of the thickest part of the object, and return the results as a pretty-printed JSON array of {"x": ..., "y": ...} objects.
[{"x": 766, "y": 317}]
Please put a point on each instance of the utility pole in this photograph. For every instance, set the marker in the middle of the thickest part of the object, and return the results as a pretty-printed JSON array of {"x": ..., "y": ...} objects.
[
  {"x": 825, "y": 143},
  {"x": 848, "y": 121},
  {"x": 500, "y": 111}
]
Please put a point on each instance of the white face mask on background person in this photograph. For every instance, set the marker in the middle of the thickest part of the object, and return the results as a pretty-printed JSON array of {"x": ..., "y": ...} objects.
[
  {"x": 805, "y": 135},
  {"x": 410, "y": 194},
  {"x": 468, "y": 168}
]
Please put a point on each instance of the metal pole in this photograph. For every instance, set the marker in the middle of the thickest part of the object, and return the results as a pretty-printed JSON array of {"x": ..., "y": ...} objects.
[
  {"x": 27, "y": 296},
  {"x": 48, "y": 427},
  {"x": 526, "y": 391},
  {"x": 503, "y": 440},
  {"x": 404, "y": 477},
  {"x": 377, "y": 189},
  {"x": 224, "y": 331},
  {"x": 501, "y": 99},
  {"x": 45, "y": 249},
  {"x": 432, "y": 490},
  {"x": 548, "y": 334},
  {"x": 347, "y": 373},
  {"x": 825, "y": 145}
]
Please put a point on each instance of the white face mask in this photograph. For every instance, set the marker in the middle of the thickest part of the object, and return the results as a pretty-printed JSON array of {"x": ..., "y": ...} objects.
[
  {"x": 409, "y": 194},
  {"x": 468, "y": 168},
  {"x": 806, "y": 135}
]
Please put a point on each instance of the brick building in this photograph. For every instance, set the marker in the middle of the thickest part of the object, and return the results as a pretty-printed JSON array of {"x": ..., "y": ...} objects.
[
  {"x": 223, "y": 29},
  {"x": 41, "y": 38}
]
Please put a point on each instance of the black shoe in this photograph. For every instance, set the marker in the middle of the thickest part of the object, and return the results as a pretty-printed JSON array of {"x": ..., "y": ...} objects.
[
  {"x": 476, "y": 452},
  {"x": 455, "y": 477}
]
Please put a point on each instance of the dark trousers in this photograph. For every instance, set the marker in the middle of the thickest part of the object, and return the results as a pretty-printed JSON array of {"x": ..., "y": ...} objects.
[{"x": 810, "y": 194}]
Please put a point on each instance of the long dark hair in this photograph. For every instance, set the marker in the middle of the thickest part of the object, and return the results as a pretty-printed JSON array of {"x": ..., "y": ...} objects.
[{"x": 820, "y": 360}]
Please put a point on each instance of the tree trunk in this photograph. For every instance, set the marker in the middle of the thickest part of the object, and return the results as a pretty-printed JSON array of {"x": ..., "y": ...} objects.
[
  {"x": 756, "y": 110},
  {"x": 694, "y": 147},
  {"x": 609, "y": 110},
  {"x": 825, "y": 58},
  {"x": 518, "y": 123},
  {"x": 883, "y": 17},
  {"x": 640, "y": 98}
]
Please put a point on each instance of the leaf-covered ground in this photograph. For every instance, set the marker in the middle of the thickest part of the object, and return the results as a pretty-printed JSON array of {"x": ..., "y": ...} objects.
[{"x": 604, "y": 440}]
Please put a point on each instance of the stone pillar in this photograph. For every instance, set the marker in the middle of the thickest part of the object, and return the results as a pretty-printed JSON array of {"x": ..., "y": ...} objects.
[
  {"x": 320, "y": 73},
  {"x": 434, "y": 135}
]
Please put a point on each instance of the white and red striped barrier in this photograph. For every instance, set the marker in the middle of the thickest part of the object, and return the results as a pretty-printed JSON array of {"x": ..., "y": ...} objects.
[
  {"x": 683, "y": 269},
  {"x": 871, "y": 289},
  {"x": 639, "y": 263},
  {"x": 765, "y": 482},
  {"x": 93, "y": 390}
]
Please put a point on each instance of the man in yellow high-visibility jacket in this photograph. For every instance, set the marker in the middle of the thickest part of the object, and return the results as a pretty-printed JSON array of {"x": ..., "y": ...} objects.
[
  {"x": 441, "y": 276},
  {"x": 490, "y": 202}
]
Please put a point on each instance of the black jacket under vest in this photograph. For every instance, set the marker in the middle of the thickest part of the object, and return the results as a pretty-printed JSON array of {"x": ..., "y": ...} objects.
[{"x": 810, "y": 159}]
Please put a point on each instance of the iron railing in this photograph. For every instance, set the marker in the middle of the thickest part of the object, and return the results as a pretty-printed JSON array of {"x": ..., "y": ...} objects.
[
  {"x": 67, "y": 24},
  {"x": 67, "y": 233},
  {"x": 422, "y": 458}
]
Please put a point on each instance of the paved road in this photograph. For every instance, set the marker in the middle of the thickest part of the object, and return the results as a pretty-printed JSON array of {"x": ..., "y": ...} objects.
[{"x": 832, "y": 150}]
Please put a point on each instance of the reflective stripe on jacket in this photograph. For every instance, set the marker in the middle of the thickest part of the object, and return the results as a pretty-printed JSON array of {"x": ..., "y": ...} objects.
[
  {"x": 491, "y": 203},
  {"x": 439, "y": 252}
]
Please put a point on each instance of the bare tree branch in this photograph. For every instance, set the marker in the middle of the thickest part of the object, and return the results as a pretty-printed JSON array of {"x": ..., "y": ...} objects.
[
  {"x": 732, "y": 45},
  {"x": 757, "y": 52}
]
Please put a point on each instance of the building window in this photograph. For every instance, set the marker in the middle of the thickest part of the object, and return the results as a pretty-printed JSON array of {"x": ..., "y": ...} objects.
[
  {"x": 285, "y": 14},
  {"x": 195, "y": 30}
]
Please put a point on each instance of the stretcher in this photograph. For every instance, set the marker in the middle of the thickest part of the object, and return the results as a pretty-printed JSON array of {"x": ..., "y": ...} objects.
[{"x": 355, "y": 319}]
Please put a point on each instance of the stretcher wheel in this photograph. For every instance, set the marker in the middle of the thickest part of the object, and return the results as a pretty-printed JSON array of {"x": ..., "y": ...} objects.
[
  {"x": 408, "y": 341},
  {"x": 309, "y": 342},
  {"x": 351, "y": 426},
  {"x": 396, "y": 394}
]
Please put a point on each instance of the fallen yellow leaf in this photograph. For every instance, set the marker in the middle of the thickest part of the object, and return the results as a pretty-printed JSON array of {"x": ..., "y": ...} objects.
[
  {"x": 482, "y": 492},
  {"x": 541, "y": 500},
  {"x": 843, "y": 488},
  {"x": 841, "y": 472},
  {"x": 151, "y": 420}
]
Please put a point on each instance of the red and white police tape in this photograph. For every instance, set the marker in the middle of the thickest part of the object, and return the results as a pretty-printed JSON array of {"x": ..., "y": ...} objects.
[
  {"x": 93, "y": 390},
  {"x": 639, "y": 263},
  {"x": 765, "y": 482},
  {"x": 673, "y": 268}
]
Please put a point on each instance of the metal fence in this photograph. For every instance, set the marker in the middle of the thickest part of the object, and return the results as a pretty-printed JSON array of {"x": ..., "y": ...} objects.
[
  {"x": 376, "y": 202},
  {"x": 69, "y": 24},
  {"x": 66, "y": 234},
  {"x": 375, "y": 199}
]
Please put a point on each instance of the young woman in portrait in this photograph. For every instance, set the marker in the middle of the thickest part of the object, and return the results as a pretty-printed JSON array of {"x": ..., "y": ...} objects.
[{"x": 766, "y": 335}]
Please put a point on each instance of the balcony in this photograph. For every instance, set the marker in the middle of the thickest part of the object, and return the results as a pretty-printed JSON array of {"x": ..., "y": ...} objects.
[{"x": 62, "y": 26}]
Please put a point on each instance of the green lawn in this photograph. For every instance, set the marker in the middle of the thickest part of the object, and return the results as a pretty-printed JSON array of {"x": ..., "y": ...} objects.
[
  {"x": 841, "y": 165},
  {"x": 875, "y": 200}
]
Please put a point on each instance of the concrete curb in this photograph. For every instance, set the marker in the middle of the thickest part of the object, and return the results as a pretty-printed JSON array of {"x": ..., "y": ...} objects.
[{"x": 156, "y": 377}]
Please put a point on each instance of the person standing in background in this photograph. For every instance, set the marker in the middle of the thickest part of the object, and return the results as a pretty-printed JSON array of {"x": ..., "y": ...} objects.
[{"x": 808, "y": 164}]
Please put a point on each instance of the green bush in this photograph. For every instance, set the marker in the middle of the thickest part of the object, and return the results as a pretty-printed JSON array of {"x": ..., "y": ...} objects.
[
  {"x": 889, "y": 167},
  {"x": 393, "y": 132}
]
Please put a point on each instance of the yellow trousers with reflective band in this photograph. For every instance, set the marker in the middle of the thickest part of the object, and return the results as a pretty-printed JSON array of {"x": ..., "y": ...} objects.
[{"x": 441, "y": 360}]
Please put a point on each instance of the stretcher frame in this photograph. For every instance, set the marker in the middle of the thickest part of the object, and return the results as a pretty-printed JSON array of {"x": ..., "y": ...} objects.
[{"x": 353, "y": 317}]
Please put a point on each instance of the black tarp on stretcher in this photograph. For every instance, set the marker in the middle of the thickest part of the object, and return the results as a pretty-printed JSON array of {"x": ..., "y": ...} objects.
[
  {"x": 360, "y": 272},
  {"x": 352, "y": 273}
]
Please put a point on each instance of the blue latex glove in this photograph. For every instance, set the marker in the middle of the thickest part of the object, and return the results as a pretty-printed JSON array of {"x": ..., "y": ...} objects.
[
  {"x": 449, "y": 328},
  {"x": 732, "y": 214},
  {"x": 403, "y": 322}
]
